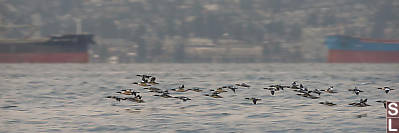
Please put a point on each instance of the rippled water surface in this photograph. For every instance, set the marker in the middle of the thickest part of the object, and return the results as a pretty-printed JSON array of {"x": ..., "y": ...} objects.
[{"x": 71, "y": 98}]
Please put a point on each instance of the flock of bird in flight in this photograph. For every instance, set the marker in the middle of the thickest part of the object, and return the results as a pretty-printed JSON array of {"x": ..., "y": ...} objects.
[{"x": 148, "y": 81}]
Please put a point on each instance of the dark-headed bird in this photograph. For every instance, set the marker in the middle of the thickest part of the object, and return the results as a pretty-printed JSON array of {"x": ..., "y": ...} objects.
[
  {"x": 243, "y": 85},
  {"x": 356, "y": 90},
  {"x": 219, "y": 90},
  {"x": 196, "y": 89},
  {"x": 253, "y": 99},
  {"x": 214, "y": 95},
  {"x": 317, "y": 91},
  {"x": 307, "y": 95},
  {"x": 183, "y": 98},
  {"x": 233, "y": 88},
  {"x": 137, "y": 99},
  {"x": 328, "y": 103},
  {"x": 272, "y": 90},
  {"x": 294, "y": 85},
  {"x": 164, "y": 95},
  {"x": 152, "y": 81},
  {"x": 279, "y": 87},
  {"x": 143, "y": 76},
  {"x": 142, "y": 83},
  {"x": 116, "y": 98},
  {"x": 386, "y": 89},
  {"x": 180, "y": 89},
  {"x": 362, "y": 103},
  {"x": 128, "y": 92},
  {"x": 330, "y": 90},
  {"x": 154, "y": 89}
]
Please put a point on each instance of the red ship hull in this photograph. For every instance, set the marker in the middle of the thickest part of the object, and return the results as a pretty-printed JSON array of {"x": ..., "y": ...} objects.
[
  {"x": 343, "y": 56},
  {"x": 346, "y": 49},
  {"x": 57, "y": 49},
  {"x": 44, "y": 57}
]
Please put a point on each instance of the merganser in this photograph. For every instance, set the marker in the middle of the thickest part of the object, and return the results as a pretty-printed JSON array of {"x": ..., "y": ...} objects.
[
  {"x": 362, "y": 103},
  {"x": 128, "y": 92},
  {"x": 136, "y": 99},
  {"x": 182, "y": 98},
  {"x": 386, "y": 89},
  {"x": 164, "y": 95},
  {"x": 219, "y": 90},
  {"x": 233, "y": 88},
  {"x": 328, "y": 103},
  {"x": 214, "y": 95},
  {"x": 253, "y": 99},
  {"x": 272, "y": 90},
  {"x": 356, "y": 90},
  {"x": 317, "y": 91},
  {"x": 330, "y": 90},
  {"x": 143, "y": 83},
  {"x": 243, "y": 85},
  {"x": 195, "y": 89},
  {"x": 180, "y": 89},
  {"x": 152, "y": 81}
]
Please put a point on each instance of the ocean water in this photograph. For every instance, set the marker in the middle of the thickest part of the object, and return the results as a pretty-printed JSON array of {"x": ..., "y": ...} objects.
[{"x": 72, "y": 98}]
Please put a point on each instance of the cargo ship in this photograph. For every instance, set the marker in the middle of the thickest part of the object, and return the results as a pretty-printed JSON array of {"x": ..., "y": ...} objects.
[
  {"x": 71, "y": 48},
  {"x": 346, "y": 49}
]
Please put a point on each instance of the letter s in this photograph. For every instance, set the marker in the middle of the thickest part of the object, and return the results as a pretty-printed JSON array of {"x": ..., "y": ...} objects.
[{"x": 393, "y": 109}]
